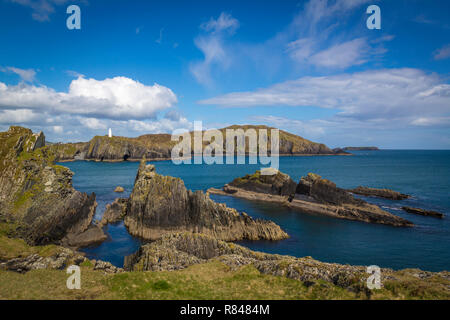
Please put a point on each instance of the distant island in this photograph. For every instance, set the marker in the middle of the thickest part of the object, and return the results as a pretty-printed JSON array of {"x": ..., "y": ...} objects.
[{"x": 360, "y": 149}]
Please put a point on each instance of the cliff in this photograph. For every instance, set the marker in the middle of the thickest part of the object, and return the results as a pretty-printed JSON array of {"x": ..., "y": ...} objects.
[
  {"x": 36, "y": 196},
  {"x": 161, "y": 204},
  {"x": 312, "y": 194},
  {"x": 159, "y": 146}
]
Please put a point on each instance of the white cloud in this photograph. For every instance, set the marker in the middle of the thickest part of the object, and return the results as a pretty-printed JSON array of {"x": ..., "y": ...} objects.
[
  {"x": 442, "y": 53},
  {"x": 213, "y": 48},
  {"x": 118, "y": 97},
  {"x": 19, "y": 116},
  {"x": 42, "y": 9},
  {"x": 225, "y": 22},
  {"x": 92, "y": 123},
  {"x": 58, "y": 129},
  {"x": 24, "y": 74},
  {"x": 377, "y": 95},
  {"x": 74, "y": 74},
  {"x": 342, "y": 55}
]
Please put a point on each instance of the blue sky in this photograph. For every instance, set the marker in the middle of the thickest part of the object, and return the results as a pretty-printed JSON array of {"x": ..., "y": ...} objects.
[{"x": 309, "y": 67}]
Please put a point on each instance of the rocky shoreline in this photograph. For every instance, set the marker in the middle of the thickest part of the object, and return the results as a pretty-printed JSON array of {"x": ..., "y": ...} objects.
[{"x": 312, "y": 194}]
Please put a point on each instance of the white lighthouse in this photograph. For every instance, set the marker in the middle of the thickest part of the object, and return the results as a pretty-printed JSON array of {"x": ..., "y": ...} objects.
[{"x": 110, "y": 133}]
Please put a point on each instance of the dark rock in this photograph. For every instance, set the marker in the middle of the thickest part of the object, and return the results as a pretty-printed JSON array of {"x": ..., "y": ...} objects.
[
  {"x": 424, "y": 212},
  {"x": 380, "y": 193},
  {"x": 161, "y": 204},
  {"x": 92, "y": 235}
]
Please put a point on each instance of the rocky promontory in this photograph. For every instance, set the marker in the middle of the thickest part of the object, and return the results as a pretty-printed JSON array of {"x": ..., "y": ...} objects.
[
  {"x": 424, "y": 212},
  {"x": 37, "y": 196},
  {"x": 161, "y": 204},
  {"x": 312, "y": 194},
  {"x": 159, "y": 146},
  {"x": 380, "y": 193}
]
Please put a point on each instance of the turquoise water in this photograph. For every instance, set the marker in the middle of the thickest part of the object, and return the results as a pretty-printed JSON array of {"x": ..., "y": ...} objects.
[{"x": 423, "y": 174}]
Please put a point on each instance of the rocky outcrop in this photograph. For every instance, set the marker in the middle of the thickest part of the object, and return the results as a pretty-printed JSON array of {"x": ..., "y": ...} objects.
[
  {"x": 91, "y": 236},
  {"x": 159, "y": 146},
  {"x": 161, "y": 204},
  {"x": 424, "y": 212},
  {"x": 178, "y": 251},
  {"x": 114, "y": 212},
  {"x": 360, "y": 149},
  {"x": 380, "y": 193},
  {"x": 316, "y": 196},
  {"x": 119, "y": 189},
  {"x": 279, "y": 183},
  {"x": 61, "y": 259},
  {"x": 37, "y": 195}
]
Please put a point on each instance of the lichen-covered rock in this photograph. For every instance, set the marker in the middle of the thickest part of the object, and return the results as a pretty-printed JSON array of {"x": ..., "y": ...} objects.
[
  {"x": 119, "y": 189},
  {"x": 36, "y": 194},
  {"x": 380, "y": 193},
  {"x": 106, "y": 267},
  {"x": 161, "y": 204}
]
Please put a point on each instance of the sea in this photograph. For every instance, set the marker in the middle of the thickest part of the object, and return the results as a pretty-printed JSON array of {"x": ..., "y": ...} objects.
[{"x": 423, "y": 174}]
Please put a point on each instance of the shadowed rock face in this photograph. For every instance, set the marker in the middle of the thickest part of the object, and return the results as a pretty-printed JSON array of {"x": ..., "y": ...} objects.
[
  {"x": 36, "y": 194},
  {"x": 324, "y": 190},
  {"x": 161, "y": 204}
]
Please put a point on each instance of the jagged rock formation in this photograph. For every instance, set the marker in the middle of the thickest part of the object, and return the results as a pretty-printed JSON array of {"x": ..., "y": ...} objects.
[
  {"x": 178, "y": 251},
  {"x": 311, "y": 195},
  {"x": 35, "y": 194},
  {"x": 279, "y": 184},
  {"x": 114, "y": 212},
  {"x": 380, "y": 193},
  {"x": 159, "y": 146},
  {"x": 160, "y": 204},
  {"x": 424, "y": 212}
]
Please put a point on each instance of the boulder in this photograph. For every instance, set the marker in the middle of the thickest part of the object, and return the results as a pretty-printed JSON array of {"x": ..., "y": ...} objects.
[{"x": 119, "y": 189}]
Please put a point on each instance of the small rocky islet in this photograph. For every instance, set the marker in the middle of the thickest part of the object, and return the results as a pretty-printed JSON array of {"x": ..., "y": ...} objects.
[
  {"x": 312, "y": 194},
  {"x": 44, "y": 219}
]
